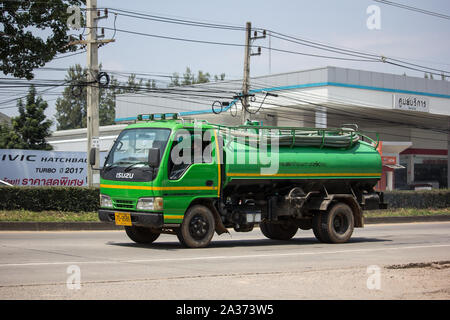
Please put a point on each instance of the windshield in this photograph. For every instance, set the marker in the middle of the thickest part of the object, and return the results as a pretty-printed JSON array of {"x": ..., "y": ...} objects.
[{"x": 131, "y": 147}]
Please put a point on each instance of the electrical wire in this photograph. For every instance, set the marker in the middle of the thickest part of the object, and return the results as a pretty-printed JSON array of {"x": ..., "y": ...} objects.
[
  {"x": 158, "y": 18},
  {"x": 364, "y": 56},
  {"x": 340, "y": 100},
  {"x": 290, "y": 116},
  {"x": 415, "y": 9},
  {"x": 69, "y": 55},
  {"x": 236, "y": 45}
]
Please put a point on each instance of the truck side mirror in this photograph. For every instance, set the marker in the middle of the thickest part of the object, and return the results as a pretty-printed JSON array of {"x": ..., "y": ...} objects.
[
  {"x": 153, "y": 157},
  {"x": 92, "y": 156}
]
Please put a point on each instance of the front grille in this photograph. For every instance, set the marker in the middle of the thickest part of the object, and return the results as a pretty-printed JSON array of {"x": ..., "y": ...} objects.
[{"x": 123, "y": 204}]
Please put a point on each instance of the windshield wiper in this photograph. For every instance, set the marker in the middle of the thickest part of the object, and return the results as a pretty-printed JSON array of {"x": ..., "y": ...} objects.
[
  {"x": 134, "y": 164},
  {"x": 111, "y": 166}
]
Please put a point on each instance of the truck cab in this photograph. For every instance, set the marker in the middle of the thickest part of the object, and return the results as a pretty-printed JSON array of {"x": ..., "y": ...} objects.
[{"x": 152, "y": 176}]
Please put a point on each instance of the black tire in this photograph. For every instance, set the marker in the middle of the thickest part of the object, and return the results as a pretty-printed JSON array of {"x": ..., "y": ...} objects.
[
  {"x": 197, "y": 228},
  {"x": 141, "y": 234},
  {"x": 317, "y": 221},
  {"x": 283, "y": 231},
  {"x": 334, "y": 226}
]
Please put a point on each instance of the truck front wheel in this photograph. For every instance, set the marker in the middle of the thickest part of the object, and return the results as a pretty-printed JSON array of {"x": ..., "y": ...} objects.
[
  {"x": 197, "y": 228},
  {"x": 283, "y": 231},
  {"x": 141, "y": 234},
  {"x": 334, "y": 226}
]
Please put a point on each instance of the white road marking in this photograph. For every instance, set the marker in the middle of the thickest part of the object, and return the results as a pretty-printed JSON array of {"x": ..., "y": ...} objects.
[{"x": 220, "y": 257}]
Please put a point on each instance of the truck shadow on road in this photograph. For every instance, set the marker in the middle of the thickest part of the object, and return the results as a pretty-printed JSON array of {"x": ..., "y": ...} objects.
[{"x": 219, "y": 243}]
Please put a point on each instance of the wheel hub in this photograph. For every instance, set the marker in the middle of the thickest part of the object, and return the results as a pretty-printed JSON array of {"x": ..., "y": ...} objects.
[
  {"x": 340, "y": 223},
  {"x": 198, "y": 227}
]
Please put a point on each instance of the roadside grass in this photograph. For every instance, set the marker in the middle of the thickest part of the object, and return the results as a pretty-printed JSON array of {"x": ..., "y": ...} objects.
[
  {"x": 47, "y": 216},
  {"x": 408, "y": 212},
  {"x": 58, "y": 216}
]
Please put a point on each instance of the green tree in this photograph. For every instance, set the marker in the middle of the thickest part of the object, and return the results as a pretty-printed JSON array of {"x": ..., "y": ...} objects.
[
  {"x": 175, "y": 80},
  {"x": 202, "y": 77},
  {"x": 132, "y": 84},
  {"x": 221, "y": 77},
  {"x": 33, "y": 32},
  {"x": 107, "y": 104},
  {"x": 150, "y": 84},
  {"x": 189, "y": 78},
  {"x": 30, "y": 128},
  {"x": 9, "y": 139},
  {"x": 71, "y": 108}
]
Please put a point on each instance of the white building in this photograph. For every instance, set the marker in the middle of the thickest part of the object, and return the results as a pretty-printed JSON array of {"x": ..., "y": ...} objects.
[
  {"x": 410, "y": 114},
  {"x": 4, "y": 118}
]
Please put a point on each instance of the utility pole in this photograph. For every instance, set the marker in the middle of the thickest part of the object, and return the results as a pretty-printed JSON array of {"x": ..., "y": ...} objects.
[
  {"x": 246, "y": 81},
  {"x": 92, "y": 91},
  {"x": 92, "y": 42}
]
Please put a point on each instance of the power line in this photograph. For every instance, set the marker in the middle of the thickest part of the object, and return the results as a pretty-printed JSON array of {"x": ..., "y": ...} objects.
[
  {"x": 234, "y": 45},
  {"x": 347, "y": 113},
  {"x": 355, "y": 53},
  {"x": 191, "y": 91},
  {"x": 345, "y": 100},
  {"x": 415, "y": 9},
  {"x": 337, "y": 111},
  {"x": 290, "y": 116},
  {"x": 364, "y": 57},
  {"x": 69, "y": 55},
  {"x": 297, "y": 97},
  {"x": 158, "y": 18},
  {"x": 217, "y": 26}
]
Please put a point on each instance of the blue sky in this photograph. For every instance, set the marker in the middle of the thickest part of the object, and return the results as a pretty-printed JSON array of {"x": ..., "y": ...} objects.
[{"x": 404, "y": 34}]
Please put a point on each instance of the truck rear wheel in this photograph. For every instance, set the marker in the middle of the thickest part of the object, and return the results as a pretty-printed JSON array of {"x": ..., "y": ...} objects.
[
  {"x": 141, "y": 234},
  {"x": 334, "y": 226},
  {"x": 197, "y": 228},
  {"x": 283, "y": 231}
]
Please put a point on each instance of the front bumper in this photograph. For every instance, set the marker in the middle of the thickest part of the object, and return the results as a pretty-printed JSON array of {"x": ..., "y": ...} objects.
[{"x": 143, "y": 219}]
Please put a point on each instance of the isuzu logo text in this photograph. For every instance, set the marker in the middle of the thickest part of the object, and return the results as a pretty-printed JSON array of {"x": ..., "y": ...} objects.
[{"x": 123, "y": 175}]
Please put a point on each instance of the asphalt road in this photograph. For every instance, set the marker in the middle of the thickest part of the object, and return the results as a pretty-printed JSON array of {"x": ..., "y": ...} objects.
[{"x": 37, "y": 265}]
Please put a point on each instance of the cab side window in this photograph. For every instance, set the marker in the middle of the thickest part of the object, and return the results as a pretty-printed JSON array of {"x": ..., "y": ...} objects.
[{"x": 187, "y": 149}]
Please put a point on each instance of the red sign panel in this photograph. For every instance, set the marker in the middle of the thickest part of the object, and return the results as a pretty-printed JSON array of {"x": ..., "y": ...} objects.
[{"x": 388, "y": 160}]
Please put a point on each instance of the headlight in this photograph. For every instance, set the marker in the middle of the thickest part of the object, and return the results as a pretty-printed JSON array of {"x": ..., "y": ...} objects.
[
  {"x": 150, "y": 204},
  {"x": 105, "y": 201}
]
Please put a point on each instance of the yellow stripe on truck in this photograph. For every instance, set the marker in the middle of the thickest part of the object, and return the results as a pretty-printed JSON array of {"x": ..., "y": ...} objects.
[
  {"x": 119, "y": 186},
  {"x": 218, "y": 163},
  {"x": 173, "y": 217},
  {"x": 304, "y": 175}
]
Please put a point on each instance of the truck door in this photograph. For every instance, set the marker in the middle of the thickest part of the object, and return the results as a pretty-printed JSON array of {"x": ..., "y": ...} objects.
[{"x": 193, "y": 171}]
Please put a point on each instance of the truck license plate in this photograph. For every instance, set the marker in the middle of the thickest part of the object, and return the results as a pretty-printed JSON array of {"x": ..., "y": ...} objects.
[{"x": 122, "y": 218}]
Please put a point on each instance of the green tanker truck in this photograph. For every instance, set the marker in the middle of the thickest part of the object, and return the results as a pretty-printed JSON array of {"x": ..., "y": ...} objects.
[{"x": 190, "y": 179}]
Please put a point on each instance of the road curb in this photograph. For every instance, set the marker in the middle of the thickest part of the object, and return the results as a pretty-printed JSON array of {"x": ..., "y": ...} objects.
[
  {"x": 86, "y": 226},
  {"x": 56, "y": 226},
  {"x": 407, "y": 219}
]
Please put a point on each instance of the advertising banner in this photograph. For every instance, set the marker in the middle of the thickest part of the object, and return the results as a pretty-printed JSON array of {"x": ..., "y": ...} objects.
[{"x": 44, "y": 168}]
